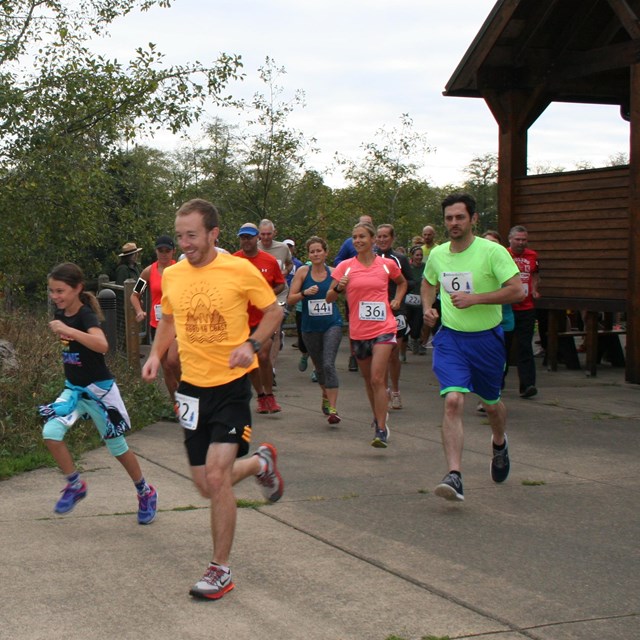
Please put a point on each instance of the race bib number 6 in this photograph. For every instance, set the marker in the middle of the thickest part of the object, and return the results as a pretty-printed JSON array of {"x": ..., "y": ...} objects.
[
  {"x": 187, "y": 411},
  {"x": 373, "y": 311},
  {"x": 457, "y": 282}
]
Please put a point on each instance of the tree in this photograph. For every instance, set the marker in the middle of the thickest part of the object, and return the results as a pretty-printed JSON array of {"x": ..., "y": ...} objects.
[
  {"x": 385, "y": 183},
  {"x": 482, "y": 184},
  {"x": 272, "y": 155},
  {"x": 62, "y": 123}
]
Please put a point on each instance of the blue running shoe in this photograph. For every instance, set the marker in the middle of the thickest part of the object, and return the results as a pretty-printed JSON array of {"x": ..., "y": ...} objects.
[
  {"x": 147, "y": 506},
  {"x": 71, "y": 495},
  {"x": 381, "y": 438}
]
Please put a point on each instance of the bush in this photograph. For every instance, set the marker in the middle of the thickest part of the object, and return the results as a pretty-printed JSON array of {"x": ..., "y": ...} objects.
[{"x": 38, "y": 379}]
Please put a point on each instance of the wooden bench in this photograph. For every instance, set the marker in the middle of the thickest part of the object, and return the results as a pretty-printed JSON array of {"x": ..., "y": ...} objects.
[{"x": 592, "y": 334}]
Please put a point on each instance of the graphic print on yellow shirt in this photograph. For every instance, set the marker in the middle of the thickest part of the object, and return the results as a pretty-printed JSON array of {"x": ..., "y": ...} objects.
[{"x": 209, "y": 307}]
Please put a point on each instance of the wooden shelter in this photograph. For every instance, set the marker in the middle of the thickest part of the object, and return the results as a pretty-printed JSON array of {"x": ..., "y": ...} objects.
[{"x": 585, "y": 225}]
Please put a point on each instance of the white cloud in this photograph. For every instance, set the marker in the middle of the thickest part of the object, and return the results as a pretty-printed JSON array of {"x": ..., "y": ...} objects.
[{"x": 361, "y": 64}]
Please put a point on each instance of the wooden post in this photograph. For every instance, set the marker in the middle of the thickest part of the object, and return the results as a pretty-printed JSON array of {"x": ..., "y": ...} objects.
[{"x": 633, "y": 287}]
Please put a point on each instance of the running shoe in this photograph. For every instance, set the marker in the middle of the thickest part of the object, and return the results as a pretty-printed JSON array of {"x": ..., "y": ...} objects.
[
  {"x": 333, "y": 418},
  {"x": 314, "y": 376},
  {"x": 480, "y": 408},
  {"x": 353, "y": 363},
  {"x": 270, "y": 480},
  {"x": 263, "y": 404},
  {"x": 381, "y": 437},
  {"x": 70, "y": 495},
  {"x": 500, "y": 464},
  {"x": 303, "y": 362},
  {"x": 450, "y": 488},
  {"x": 396, "y": 400},
  {"x": 272, "y": 404},
  {"x": 147, "y": 506},
  {"x": 325, "y": 405},
  {"x": 213, "y": 584},
  {"x": 529, "y": 392}
]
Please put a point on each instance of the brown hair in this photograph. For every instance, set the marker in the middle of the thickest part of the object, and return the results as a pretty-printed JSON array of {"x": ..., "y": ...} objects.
[
  {"x": 208, "y": 211},
  {"x": 71, "y": 274}
]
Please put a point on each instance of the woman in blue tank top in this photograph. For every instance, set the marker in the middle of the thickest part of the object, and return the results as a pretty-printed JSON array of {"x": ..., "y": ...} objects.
[{"x": 321, "y": 322}]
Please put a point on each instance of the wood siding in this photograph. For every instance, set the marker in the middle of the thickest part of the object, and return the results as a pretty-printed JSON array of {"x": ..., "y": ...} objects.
[{"x": 578, "y": 222}]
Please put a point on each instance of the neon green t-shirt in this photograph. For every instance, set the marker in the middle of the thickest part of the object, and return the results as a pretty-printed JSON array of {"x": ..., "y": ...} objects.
[{"x": 482, "y": 267}]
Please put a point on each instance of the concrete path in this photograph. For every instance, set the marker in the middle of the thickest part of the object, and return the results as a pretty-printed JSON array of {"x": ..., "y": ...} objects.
[{"x": 359, "y": 548}]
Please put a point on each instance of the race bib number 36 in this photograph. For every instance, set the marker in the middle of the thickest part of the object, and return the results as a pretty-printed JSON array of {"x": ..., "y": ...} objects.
[
  {"x": 373, "y": 311},
  {"x": 457, "y": 282},
  {"x": 187, "y": 410}
]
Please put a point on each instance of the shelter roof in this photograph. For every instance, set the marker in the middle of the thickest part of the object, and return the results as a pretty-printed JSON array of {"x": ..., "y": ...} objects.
[{"x": 568, "y": 50}]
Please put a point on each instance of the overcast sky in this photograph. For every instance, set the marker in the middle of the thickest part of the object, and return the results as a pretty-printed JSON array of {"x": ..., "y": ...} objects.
[{"x": 361, "y": 65}]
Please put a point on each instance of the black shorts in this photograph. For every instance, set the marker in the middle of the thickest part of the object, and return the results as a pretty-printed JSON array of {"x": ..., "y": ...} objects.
[{"x": 224, "y": 415}]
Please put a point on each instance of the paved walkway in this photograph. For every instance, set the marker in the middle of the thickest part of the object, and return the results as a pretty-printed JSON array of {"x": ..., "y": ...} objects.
[{"x": 359, "y": 548}]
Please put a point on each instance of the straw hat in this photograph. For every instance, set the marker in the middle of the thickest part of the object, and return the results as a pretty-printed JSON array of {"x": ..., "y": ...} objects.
[{"x": 128, "y": 249}]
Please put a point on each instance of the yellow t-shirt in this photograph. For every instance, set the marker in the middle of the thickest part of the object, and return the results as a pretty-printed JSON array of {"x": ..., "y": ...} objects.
[{"x": 209, "y": 307}]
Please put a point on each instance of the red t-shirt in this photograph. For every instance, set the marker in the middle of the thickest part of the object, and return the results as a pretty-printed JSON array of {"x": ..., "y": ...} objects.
[
  {"x": 527, "y": 262},
  {"x": 268, "y": 266}
]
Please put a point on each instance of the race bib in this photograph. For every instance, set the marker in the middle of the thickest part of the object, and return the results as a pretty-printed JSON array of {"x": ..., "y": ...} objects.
[
  {"x": 319, "y": 308},
  {"x": 457, "y": 282},
  {"x": 413, "y": 300},
  {"x": 187, "y": 410},
  {"x": 157, "y": 310},
  {"x": 373, "y": 311},
  {"x": 401, "y": 322}
]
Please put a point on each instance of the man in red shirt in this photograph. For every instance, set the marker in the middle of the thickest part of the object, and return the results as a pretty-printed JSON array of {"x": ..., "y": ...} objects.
[
  {"x": 524, "y": 312},
  {"x": 261, "y": 378}
]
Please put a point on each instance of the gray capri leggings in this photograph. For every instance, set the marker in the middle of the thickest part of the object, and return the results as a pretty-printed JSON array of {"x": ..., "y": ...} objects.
[{"x": 323, "y": 349}]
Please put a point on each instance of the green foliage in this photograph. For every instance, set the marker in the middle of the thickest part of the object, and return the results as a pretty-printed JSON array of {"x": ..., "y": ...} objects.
[
  {"x": 67, "y": 190},
  {"x": 39, "y": 379}
]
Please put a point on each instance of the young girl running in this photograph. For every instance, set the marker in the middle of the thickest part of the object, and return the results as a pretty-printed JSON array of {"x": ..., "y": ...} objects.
[{"x": 89, "y": 390}]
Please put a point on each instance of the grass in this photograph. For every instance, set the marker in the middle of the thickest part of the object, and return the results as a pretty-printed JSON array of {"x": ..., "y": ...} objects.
[{"x": 38, "y": 379}]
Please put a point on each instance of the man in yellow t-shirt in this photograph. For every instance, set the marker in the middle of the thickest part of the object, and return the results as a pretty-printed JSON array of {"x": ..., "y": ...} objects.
[{"x": 205, "y": 302}]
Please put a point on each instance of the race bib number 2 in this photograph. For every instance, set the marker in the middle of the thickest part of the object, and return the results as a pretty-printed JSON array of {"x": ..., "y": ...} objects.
[
  {"x": 457, "y": 281},
  {"x": 187, "y": 409}
]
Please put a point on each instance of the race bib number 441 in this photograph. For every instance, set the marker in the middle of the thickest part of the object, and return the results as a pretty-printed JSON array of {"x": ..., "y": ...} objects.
[
  {"x": 457, "y": 282},
  {"x": 320, "y": 308}
]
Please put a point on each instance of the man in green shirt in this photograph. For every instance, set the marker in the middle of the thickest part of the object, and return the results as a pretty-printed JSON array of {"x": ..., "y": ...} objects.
[{"x": 476, "y": 277}]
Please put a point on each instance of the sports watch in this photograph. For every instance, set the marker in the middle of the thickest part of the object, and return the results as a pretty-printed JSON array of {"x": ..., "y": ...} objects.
[{"x": 255, "y": 344}]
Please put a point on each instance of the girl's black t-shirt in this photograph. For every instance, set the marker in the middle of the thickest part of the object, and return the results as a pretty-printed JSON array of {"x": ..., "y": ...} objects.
[{"x": 82, "y": 366}]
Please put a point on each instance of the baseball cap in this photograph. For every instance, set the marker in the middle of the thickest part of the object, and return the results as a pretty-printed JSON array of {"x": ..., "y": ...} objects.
[
  {"x": 290, "y": 242},
  {"x": 165, "y": 241}
]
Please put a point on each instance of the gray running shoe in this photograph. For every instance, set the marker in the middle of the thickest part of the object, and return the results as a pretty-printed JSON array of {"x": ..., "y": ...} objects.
[
  {"x": 381, "y": 438},
  {"x": 214, "y": 584},
  {"x": 450, "y": 488},
  {"x": 500, "y": 464},
  {"x": 270, "y": 480}
]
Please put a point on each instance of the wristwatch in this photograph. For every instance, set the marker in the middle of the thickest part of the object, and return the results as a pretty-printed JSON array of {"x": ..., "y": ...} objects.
[{"x": 255, "y": 344}]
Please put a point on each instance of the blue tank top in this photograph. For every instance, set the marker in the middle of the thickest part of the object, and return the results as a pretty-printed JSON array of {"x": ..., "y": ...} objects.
[{"x": 317, "y": 314}]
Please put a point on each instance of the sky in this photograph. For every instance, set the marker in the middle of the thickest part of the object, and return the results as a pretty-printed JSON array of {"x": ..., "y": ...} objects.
[{"x": 362, "y": 64}]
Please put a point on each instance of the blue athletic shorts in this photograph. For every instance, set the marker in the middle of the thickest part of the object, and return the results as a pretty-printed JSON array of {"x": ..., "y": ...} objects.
[{"x": 470, "y": 362}]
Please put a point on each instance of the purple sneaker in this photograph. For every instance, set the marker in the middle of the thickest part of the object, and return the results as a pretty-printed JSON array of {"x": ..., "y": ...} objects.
[
  {"x": 147, "y": 506},
  {"x": 71, "y": 495}
]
